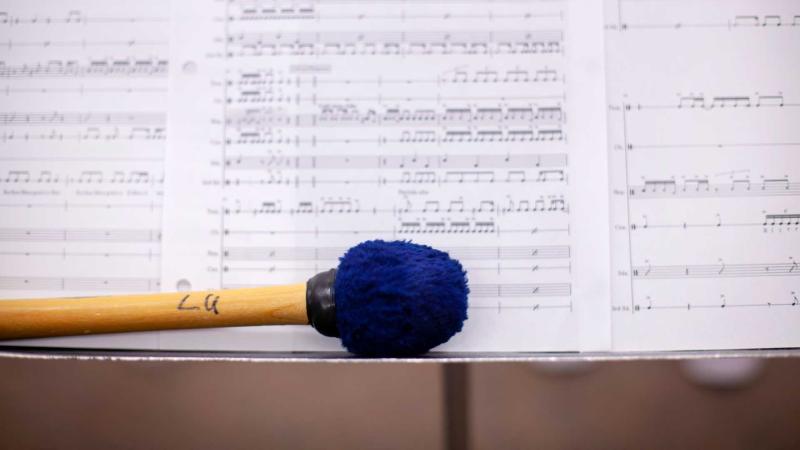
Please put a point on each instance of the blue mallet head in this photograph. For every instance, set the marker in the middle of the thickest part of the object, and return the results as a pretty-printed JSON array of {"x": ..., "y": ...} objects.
[{"x": 390, "y": 299}]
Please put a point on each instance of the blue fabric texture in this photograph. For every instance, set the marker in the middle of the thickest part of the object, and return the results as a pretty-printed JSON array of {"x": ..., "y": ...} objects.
[{"x": 398, "y": 298}]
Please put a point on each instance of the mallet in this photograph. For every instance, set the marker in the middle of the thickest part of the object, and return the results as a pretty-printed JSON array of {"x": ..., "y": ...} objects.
[{"x": 385, "y": 299}]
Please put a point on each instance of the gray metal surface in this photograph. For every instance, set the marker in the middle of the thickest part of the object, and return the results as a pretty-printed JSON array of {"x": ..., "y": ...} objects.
[{"x": 342, "y": 357}]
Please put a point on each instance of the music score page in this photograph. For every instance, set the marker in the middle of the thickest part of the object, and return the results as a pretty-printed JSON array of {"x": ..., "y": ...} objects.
[
  {"x": 704, "y": 102},
  {"x": 297, "y": 131}
]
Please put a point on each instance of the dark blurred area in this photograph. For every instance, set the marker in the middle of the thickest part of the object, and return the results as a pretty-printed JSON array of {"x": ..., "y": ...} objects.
[{"x": 621, "y": 405}]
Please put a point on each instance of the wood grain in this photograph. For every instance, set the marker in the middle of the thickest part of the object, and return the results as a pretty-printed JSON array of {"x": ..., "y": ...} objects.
[{"x": 273, "y": 305}]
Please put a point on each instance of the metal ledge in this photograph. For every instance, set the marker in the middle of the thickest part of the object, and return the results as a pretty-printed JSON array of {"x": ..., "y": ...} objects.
[{"x": 342, "y": 357}]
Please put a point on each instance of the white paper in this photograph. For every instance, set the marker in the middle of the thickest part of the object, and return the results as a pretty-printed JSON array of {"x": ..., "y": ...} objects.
[
  {"x": 298, "y": 130},
  {"x": 705, "y": 171},
  {"x": 82, "y": 132}
]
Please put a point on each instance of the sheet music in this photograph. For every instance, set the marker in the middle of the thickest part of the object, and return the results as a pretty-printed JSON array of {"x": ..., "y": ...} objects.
[
  {"x": 705, "y": 170},
  {"x": 298, "y": 129},
  {"x": 82, "y": 132}
]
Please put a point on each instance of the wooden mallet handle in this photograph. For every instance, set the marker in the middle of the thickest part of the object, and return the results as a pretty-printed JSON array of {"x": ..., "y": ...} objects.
[{"x": 274, "y": 305}]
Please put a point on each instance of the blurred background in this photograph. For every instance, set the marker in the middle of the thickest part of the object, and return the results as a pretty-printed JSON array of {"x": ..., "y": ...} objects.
[{"x": 621, "y": 405}]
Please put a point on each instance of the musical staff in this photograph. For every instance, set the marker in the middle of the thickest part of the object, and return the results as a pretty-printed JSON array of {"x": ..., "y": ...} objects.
[
  {"x": 75, "y": 118},
  {"x": 726, "y": 146},
  {"x": 344, "y": 43},
  {"x": 250, "y": 96},
  {"x": 500, "y": 307},
  {"x": 64, "y": 254},
  {"x": 521, "y": 290},
  {"x": 271, "y": 13},
  {"x": 784, "y": 300},
  {"x": 729, "y": 23},
  {"x": 407, "y": 228},
  {"x": 89, "y": 134},
  {"x": 498, "y": 268},
  {"x": 76, "y": 17},
  {"x": 423, "y": 177},
  {"x": 351, "y": 205},
  {"x": 79, "y": 90},
  {"x": 720, "y": 102},
  {"x": 333, "y": 253},
  {"x": 702, "y": 187},
  {"x": 23, "y": 45},
  {"x": 350, "y": 116},
  {"x": 428, "y": 136},
  {"x": 84, "y": 177},
  {"x": 336, "y": 162},
  {"x": 80, "y": 284},
  {"x": 112, "y": 68},
  {"x": 66, "y": 206},
  {"x": 84, "y": 235},
  {"x": 486, "y": 75},
  {"x": 778, "y": 220},
  {"x": 720, "y": 270}
]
